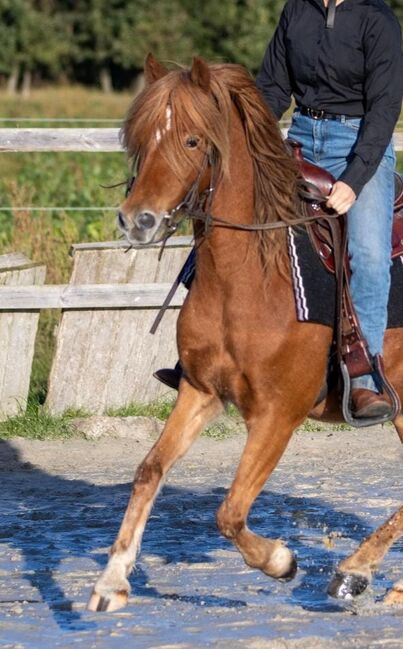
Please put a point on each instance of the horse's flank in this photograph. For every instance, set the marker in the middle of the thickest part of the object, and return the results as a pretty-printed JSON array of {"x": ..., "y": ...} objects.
[{"x": 208, "y": 115}]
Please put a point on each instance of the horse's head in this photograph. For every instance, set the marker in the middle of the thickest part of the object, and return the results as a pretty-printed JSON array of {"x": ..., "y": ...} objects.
[{"x": 172, "y": 132}]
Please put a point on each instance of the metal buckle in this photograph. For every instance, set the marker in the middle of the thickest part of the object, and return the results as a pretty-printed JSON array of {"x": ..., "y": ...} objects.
[{"x": 315, "y": 114}]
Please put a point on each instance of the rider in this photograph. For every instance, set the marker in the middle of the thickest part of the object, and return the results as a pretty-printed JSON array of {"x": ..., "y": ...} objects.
[{"x": 341, "y": 61}]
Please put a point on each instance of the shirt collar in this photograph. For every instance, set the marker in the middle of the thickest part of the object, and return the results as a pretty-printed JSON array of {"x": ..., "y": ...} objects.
[{"x": 346, "y": 5}]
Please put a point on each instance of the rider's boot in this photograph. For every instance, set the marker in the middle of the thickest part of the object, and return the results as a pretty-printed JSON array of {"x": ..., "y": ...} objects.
[
  {"x": 368, "y": 404},
  {"x": 170, "y": 377}
]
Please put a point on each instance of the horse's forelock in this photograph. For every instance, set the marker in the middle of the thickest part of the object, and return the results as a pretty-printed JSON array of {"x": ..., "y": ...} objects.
[
  {"x": 193, "y": 111},
  {"x": 208, "y": 114}
]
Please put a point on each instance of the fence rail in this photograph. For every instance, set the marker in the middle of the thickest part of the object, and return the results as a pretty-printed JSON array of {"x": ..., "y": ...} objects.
[
  {"x": 80, "y": 139},
  {"x": 90, "y": 296}
]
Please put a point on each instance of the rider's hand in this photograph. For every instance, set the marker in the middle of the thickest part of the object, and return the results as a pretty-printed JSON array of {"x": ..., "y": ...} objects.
[{"x": 341, "y": 198}]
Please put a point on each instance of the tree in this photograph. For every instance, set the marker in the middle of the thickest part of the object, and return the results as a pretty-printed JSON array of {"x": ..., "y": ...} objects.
[
  {"x": 233, "y": 31},
  {"x": 33, "y": 39},
  {"x": 96, "y": 25},
  {"x": 397, "y": 6},
  {"x": 160, "y": 27}
]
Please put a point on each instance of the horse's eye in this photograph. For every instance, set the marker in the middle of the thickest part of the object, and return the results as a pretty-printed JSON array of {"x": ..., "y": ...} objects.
[{"x": 192, "y": 142}]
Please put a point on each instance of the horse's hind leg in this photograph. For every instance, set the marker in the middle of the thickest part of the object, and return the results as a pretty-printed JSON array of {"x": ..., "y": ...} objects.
[
  {"x": 192, "y": 411},
  {"x": 355, "y": 572},
  {"x": 398, "y": 422},
  {"x": 267, "y": 440}
]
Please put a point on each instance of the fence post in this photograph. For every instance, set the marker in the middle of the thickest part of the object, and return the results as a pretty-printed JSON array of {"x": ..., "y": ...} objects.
[
  {"x": 17, "y": 335},
  {"x": 105, "y": 357}
]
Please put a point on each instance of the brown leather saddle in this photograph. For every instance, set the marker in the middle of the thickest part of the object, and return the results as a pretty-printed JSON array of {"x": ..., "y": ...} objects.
[
  {"x": 323, "y": 181},
  {"x": 328, "y": 238}
]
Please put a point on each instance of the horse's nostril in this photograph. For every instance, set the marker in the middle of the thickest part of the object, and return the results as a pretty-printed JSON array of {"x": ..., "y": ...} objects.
[
  {"x": 121, "y": 220},
  {"x": 145, "y": 220}
]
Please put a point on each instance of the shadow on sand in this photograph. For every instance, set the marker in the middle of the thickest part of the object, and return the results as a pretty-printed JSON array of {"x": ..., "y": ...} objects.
[{"x": 50, "y": 519}]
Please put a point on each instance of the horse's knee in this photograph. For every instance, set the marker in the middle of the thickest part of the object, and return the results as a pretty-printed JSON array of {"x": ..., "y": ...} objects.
[
  {"x": 148, "y": 472},
  {"x": 229, "y": 521}
]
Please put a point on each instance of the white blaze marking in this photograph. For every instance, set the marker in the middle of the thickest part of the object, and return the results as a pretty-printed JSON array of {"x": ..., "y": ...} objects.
[{"x": 159, "y": 134}]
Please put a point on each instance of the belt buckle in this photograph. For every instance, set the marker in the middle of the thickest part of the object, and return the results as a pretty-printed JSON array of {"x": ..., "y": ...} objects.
[{"x": 316, "y": 114}]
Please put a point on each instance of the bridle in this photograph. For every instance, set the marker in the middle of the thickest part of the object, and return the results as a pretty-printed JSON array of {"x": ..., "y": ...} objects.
[{"x": 196, "y": 206}]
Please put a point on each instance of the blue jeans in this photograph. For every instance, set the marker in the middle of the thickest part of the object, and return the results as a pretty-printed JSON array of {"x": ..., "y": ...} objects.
[{"x": 329, "y": 144}]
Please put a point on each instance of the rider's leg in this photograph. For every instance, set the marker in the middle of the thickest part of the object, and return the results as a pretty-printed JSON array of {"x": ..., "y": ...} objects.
[
  {"x": 369, "y": 228},
  {"x": 330, "y": 144}
]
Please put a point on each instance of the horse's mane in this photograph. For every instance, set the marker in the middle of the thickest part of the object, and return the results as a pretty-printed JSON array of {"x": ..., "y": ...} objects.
[{"x": 208, "y": 114}]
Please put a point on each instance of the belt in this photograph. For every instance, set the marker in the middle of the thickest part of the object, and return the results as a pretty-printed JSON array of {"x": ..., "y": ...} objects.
[{"x": 316, "y": 113}]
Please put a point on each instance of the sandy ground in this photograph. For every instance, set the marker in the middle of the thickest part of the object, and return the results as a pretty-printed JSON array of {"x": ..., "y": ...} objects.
[{"x": 62, "y": 503}]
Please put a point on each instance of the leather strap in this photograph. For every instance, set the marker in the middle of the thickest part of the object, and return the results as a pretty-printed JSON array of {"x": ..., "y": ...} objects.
[{"x": 331, "y": 14}]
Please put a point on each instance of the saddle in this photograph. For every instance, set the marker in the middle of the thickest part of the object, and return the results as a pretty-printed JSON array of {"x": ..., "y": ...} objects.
[{"x": 328, "y": 237}]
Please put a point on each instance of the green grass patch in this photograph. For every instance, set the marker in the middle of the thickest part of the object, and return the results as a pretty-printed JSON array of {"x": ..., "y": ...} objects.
[
  {"x": 37, "y": 423},
  {"x": 312, "y": 426},
  {"x": 161, "y": 409},
  {"x": 218, "y": 431}
]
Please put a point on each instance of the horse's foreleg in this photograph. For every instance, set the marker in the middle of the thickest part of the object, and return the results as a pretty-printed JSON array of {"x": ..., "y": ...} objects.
[
  {"x": 267, "y": 440},
  {"x": 355, "y": 572},
  {"x": 192, "y": 411}
]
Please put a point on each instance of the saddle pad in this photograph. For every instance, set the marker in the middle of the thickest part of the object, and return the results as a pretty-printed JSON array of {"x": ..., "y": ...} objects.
[{"x": 315, "y": 287}]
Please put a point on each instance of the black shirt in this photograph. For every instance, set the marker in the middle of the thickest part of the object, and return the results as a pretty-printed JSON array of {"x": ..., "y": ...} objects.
[{"x": 354, "y": 69}]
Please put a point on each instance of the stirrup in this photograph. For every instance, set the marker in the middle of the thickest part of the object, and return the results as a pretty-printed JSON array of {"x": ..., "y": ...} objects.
[{"x": 385, "y": 387}]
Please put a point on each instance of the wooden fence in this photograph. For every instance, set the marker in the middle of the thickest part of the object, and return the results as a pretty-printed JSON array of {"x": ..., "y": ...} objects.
[
  {"x": 80, "y": 139},
  {"x": 104, "y": 355}
]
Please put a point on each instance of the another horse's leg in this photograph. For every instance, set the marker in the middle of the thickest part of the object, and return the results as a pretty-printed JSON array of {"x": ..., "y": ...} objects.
[
  {"x": 398, "y": 422},
  {"x": 192, "y": 411},
  {"x": 267, "y": 440},
  {"x": 355, "y": 572}
]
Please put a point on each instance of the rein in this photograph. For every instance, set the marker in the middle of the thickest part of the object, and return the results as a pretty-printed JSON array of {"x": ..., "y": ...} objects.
[{"x": 196, "y": 206}]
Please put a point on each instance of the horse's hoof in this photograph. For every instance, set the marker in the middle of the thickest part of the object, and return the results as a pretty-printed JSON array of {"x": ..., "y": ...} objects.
[
  {"x": 113, "y": 602},
  {"x": 289, "y": 576},
  {"x": 347, "y": 585},
  {"x": 395, "y": 596}
]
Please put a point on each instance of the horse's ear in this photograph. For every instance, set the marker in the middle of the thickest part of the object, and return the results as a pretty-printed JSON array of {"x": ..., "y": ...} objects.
[
  {"x": 153, "y": 69},
  {"x": 200, "y": 73}
]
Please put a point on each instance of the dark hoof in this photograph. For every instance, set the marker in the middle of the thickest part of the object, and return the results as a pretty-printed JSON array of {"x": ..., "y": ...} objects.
[
  {"x": 347, "y": 586},
  {"x": 289, "y": 576},
  {"x": 101, "y": 604}
]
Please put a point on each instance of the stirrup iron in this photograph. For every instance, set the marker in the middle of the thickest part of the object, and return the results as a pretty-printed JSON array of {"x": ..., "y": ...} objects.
[{"x": 384, "y": 386}]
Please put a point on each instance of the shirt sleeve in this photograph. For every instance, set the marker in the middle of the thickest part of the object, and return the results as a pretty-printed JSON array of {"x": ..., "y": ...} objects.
[
  {"x": 383, "y": 88},
  {"x": 273, "y": 79}
]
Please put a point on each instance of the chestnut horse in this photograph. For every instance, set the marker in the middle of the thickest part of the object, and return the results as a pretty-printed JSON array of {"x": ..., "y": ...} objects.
[{"x": 239, "y": 341}]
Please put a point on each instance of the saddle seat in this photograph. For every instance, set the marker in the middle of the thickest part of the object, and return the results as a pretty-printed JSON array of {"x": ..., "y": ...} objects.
[{"x": 321, "y": 180}]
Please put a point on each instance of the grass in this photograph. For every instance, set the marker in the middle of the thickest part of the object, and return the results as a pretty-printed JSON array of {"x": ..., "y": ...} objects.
[
  {"x": 69, "y": 102},
  {"x": 161, "y": 409},
  {"x": 37, "y": 423}
]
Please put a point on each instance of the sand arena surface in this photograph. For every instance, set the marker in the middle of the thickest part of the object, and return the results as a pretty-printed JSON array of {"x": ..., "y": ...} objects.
[{"x": 62, "y": 504}]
